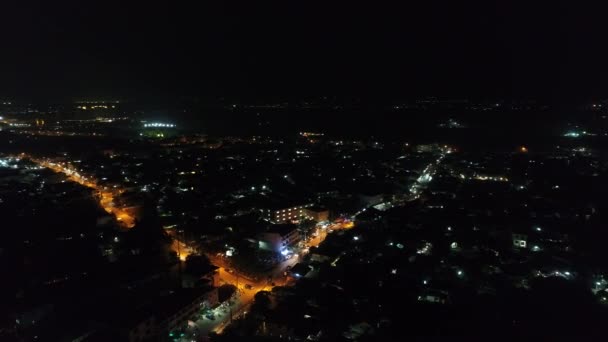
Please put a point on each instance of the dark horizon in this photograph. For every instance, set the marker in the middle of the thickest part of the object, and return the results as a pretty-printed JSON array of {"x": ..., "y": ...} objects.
[{"x": 141, "y": 50}]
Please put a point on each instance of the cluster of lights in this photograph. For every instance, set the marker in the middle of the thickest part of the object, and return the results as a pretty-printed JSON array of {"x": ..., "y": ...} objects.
[
  {"x": 159, "y": 124},
  {"x": 7, "y": 163},
  {"x": 95, "y": 107},
  {"x": 561, "y": 274},
  {"x": 425, "y": 178},
  {"x": 574, "y": 134},
  {"x": 497, "y": 179},
  {"x": 310, "y": 134},
  {"x": 425, "y": 250}
]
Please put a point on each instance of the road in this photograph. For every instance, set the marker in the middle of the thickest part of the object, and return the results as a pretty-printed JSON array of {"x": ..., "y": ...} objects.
[
  {"x": 105, "y": 196},
  {"x": 427, "y": 176},
  {"x": 247, "y": 288},
  {"x": 181, "y": 249}
]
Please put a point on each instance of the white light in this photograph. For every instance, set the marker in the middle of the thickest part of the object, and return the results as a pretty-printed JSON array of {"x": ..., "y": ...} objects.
[{"x": 356, "y": 238}]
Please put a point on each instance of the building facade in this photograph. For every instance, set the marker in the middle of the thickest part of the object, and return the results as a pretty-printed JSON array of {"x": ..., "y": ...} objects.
[
  {"x": 286, "y": 214},
  {"x": 316, "y": 214},
  {"x": 279, "y": 237}
]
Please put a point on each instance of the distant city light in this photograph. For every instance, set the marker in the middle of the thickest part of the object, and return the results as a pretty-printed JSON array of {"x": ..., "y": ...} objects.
[
  {"x": 573, "y": 134},
  {"x": 159, "y": 124}
]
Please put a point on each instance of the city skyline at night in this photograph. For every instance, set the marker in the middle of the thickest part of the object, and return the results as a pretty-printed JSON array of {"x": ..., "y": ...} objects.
[{"x": 303, "y": 172}]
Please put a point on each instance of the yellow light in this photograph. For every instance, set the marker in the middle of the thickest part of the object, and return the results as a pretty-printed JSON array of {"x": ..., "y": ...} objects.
[{"x": 523, "y": 149}]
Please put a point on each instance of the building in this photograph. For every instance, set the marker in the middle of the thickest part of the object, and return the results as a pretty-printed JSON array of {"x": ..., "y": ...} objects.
[
  {"x": 299, "y": 270},
  {"x": 123, "y": 323},
  {"x": 370, "y": 198},
  {"x": 144, "y": 329},
  {"x": 427, "y": 148},
  {"x": 520, "y": 240},
  {"x": 173, "y": 311},
  {"x": 200, "y": 276},
  {"x": 153, "y": 320},
  {"x": 283, "y": 214},
  {"x": 317, "y": 214},
  {"x": 434, "y": 296},
  {"x": 278, "y": 237}
]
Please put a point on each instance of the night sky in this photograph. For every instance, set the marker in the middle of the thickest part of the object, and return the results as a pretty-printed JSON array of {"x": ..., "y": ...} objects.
[{"x": 58, "y": 49}]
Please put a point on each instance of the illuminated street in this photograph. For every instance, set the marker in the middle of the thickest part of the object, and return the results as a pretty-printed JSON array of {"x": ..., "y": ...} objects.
[{"x": 105, "y": 196}]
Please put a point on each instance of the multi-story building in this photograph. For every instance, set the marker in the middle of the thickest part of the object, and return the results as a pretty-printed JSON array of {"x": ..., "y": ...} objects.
[
  {"x": 279, "y": 236},
  {"x": 283, "y": 214},
  {"x": 317, "y": 214},
  {"x": 173, "y": 311}
]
